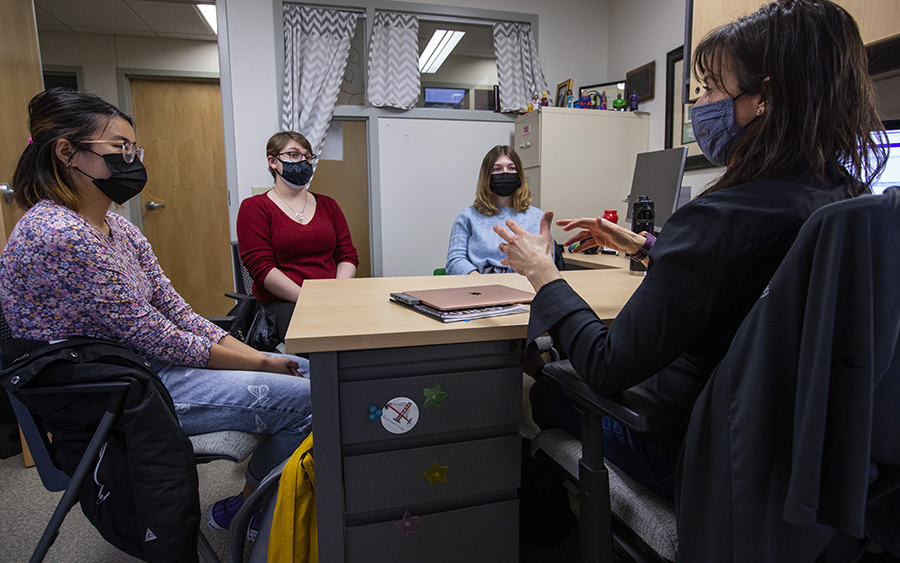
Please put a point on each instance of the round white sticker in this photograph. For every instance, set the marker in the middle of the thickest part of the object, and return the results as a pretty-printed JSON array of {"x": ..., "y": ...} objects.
[{"x": 399, "y": 415}]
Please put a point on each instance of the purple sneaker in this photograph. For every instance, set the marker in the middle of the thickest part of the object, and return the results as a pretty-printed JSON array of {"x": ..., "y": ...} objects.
[{"x": 219, "y": 514}]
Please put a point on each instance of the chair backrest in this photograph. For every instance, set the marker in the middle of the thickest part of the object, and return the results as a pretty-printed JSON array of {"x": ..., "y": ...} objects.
[
  {"x": 243, "y": 283},
  {"x": 51, "y": 476},
  {"x": 804, "y": 404}
]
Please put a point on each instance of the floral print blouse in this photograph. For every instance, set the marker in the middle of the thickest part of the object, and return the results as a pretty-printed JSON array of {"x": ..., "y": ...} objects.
[{"x": 61, "y": 277}]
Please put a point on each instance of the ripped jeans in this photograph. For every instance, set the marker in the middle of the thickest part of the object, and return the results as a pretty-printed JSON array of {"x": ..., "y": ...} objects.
[{"x": 208, "y": 400}]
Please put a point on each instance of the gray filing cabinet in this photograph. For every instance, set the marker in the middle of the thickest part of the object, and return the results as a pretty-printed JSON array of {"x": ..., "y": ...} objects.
[{"x": 369, "y": 481}]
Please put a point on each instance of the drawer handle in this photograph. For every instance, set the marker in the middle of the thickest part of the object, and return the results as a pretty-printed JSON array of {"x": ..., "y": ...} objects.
[
  {"x": 434, "y": 396},
  {"x": 408, "y": 524},
  {"x": 437, "y": 474}
]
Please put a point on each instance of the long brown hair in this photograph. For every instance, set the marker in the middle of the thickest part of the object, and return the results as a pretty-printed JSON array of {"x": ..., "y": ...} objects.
[
  {"x": 59, "y": 113},
  {"x": 807, "y": 61},
  {"x": 484, "y": 197}
]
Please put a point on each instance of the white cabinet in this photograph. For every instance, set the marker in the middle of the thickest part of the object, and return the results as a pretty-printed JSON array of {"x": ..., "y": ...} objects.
[{"x": 580, "y": 162}]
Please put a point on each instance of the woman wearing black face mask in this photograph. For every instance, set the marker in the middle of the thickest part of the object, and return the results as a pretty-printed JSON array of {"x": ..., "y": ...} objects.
[
  {"x": 789, "y": 109},
  {"x": 72, "y": 268},
  {"x": 288, "y": 234},
  {"x": 502, "y": 194}
]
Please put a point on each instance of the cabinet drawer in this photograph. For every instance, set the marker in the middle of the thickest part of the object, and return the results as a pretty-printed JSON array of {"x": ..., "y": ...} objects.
[
  {"x": 396, "y": 479},
  {"x": 483, "y": 533},
  {"x": 528, "y": 139},
  {"x": 475, "y": 399}
]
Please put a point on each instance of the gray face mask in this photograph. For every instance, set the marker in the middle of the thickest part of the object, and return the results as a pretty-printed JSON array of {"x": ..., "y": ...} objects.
[{"x": 716, "y": 131}]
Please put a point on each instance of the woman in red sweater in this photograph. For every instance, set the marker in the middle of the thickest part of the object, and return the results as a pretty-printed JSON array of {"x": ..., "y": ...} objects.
[{"x": 288, "y": 235}]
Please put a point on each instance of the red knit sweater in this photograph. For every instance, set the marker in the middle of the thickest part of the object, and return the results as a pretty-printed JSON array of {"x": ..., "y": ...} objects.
[{"x": 267, "y": 238}]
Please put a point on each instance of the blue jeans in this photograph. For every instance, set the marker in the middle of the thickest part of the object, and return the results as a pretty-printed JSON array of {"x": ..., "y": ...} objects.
[
  {"x": 208, "y": 400},
  {"x": 649, "y": 459}
]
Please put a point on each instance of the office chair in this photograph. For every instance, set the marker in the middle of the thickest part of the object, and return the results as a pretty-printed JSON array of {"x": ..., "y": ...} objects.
[
  {"x": 243, "y": 283},
  {"x": 776, "y": 372},
  {"x": 230, "y": 445},
  {"x": 629, "y": 520}
]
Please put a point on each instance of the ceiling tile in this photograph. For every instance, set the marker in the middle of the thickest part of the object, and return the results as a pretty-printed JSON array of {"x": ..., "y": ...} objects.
[
  {"x": 99, "y": 16},
  {"x": 169, "y": 19}
]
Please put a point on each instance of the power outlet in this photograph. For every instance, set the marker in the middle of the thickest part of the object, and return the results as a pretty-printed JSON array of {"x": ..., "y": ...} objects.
[{"x": 261, "y": 189}]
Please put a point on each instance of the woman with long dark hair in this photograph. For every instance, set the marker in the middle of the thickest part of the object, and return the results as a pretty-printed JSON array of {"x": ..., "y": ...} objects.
[
  {"x": 74, "y": 268},
  {"x": 789, "y": 108}
]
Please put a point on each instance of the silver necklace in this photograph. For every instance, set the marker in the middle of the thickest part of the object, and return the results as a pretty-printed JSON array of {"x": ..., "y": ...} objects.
[{"x": 299, "y": 216}]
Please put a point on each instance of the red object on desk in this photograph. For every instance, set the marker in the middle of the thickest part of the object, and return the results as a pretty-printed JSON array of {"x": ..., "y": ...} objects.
[{"x": 611, "y": 215}]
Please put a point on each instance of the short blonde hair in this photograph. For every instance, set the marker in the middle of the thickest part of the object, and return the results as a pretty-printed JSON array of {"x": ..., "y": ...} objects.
[{"x": 484, "y": 197}]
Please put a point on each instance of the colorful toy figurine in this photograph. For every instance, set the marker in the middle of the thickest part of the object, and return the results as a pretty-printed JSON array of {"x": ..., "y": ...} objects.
[
  {"x": 545, "y": 99},
  {"x": 619, "y": 103},
  {"x": 633, "y": 98},
  {"x": 603, "y": 100},
  {"x": 570, "y": 99},
  {"x": 595, "y": 99}
]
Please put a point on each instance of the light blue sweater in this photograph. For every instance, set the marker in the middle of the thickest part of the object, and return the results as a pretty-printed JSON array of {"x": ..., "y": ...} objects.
[{"x": 475, "y": 246}]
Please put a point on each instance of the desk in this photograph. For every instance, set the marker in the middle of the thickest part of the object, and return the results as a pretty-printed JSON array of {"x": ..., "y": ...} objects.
[
  {"x": 365, "y": 351},
  {"x": 597, "y": 261}
]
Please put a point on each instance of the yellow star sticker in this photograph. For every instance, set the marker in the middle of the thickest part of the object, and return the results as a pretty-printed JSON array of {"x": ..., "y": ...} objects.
[{"x": 437, "y": 473}]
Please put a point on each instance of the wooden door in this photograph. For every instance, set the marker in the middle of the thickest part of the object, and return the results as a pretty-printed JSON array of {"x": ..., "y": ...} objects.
[
  {"x": 347, "y": 181},
  {"x": 20, "y": 80},
  {"x": 179, "y": 124}
]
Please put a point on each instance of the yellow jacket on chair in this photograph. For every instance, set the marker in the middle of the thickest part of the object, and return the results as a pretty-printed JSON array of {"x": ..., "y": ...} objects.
[{"x": 293, "y": 534}]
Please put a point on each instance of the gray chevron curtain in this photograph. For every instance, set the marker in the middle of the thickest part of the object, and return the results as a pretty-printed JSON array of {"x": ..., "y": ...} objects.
[
  {"x": 394, "y": 78},
  {"x": 316, "y": 45},
  {"x": 519, "y": 71}
]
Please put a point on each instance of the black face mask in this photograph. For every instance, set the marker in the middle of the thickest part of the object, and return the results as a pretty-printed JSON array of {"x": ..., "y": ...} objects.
[
  {"x": 505, "y": 183},
  {"x": 126, "y": 179},
  {"x": 297, "y": 174}
]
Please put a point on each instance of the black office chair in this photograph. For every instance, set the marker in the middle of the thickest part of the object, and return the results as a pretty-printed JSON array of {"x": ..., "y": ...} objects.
[
  {"x": 243, "y": 283},
  {"x": 832, "y": 274}
]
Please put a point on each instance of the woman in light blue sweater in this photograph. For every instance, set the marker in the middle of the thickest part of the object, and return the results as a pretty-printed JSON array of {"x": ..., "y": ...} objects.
[{"x": 502, "y": 194}]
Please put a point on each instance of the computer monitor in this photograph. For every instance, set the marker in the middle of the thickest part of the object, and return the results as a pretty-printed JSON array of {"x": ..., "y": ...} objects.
[
  {"x": 891, "y": 174},
  {"x": 658, "y": 175}
]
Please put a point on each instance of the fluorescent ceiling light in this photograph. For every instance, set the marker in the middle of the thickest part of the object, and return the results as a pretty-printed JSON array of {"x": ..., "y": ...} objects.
[
  {"x": 208, "y": 11},
  {"x": 438, "y": 49}
]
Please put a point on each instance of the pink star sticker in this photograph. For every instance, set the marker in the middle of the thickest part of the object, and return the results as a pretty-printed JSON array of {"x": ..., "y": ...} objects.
[{"x": 408, "y": 524}]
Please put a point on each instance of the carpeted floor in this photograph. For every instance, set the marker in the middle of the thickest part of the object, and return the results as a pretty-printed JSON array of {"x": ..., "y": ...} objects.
[{"x": 27, "y": 506}]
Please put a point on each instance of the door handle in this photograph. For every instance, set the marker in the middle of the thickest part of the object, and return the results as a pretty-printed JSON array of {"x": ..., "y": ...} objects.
[
  {"x": 7, "y": 192},
  {"x": 151, "y": 205}
]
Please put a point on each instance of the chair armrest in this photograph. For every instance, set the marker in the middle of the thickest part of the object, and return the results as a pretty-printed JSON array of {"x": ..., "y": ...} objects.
[
  {"x": 238, "y": 296},
  {"x": 633, "y": 408},
  {"x": 222, "y": 322}
]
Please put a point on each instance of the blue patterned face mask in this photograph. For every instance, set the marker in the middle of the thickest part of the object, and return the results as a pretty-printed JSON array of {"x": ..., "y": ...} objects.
[
  {"x": 716, "y": 131},
  {"x": 296, "y": 174}
]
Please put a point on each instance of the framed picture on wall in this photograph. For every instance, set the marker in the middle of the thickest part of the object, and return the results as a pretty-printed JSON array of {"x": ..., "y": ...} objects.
[
  {"x": 561, "y": 90},
  {"x": 679, "y": 130},
  {"x": 611, "y": 89}
]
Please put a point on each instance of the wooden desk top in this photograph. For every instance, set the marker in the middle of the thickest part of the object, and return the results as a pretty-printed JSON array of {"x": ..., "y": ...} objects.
[
  {"x": 597, "y": 261},
  {"x": 356, "y": 314}
]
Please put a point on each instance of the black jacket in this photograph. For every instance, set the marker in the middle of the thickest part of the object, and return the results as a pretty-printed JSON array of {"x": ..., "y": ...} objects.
[
  {"x": 709, "y": 265},
  {"x": 804, "y": 410},
  {"x": 148, "y": 468}
]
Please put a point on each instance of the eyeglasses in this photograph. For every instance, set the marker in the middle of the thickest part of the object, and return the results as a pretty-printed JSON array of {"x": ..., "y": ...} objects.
[
  {"x": 297, "y": 156},
  {"x": 129, "y": 149}
]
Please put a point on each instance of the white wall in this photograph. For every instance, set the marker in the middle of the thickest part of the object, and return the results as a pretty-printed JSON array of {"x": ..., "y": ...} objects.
[
  {"x": 427, "y": 177},
  {"x": 644, "y": 31},
  {"x": 99, "y": 56}
]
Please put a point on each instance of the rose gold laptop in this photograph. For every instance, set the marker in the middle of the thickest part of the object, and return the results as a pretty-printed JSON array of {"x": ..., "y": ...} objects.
[{"x": 454, "y": 298}]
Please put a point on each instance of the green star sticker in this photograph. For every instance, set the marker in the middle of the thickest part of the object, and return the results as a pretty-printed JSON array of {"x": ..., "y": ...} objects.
[
  {"x": 437, "y": 474},
  {"x": 434, "y": 396}
]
